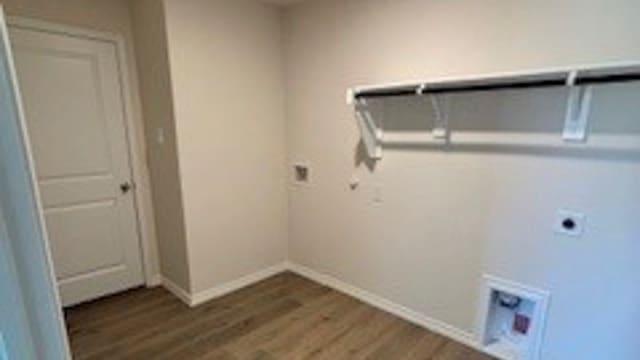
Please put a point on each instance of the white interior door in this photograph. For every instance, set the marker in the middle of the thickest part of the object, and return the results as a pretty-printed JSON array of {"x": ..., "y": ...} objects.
[{"x": 75, "y": 115}]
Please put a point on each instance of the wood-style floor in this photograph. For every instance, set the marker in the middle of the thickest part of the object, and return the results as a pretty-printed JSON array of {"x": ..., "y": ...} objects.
[{"x": 283, "y": 317}]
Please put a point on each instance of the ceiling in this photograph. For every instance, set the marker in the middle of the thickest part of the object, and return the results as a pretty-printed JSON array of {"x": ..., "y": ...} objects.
[{"x": 282, "y": 2}]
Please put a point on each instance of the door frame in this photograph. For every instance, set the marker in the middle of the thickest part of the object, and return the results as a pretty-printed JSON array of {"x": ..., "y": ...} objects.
[{"x": 136, "y": 146}]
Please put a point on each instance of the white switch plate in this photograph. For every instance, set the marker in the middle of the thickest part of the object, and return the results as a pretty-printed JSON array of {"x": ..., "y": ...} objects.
[
  {"x": 160, "y": 135},
  {"x": 575, "y": 218}
]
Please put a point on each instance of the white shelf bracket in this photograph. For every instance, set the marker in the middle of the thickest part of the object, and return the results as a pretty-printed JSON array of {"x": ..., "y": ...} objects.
[
  {"x": 577, "y": 118},
  {"x": 370, "y": 133},
  {"x": 441, "y": 119}
]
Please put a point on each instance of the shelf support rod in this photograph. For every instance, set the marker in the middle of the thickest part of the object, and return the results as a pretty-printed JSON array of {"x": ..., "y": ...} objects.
[{"x": 370, "y": 133}]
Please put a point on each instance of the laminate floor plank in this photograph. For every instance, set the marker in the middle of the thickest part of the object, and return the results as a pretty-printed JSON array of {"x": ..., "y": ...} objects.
[
  {"x": 456, "y": 351},
  {"x": 111, "y": 306},
  {"x": 281, "y": 329},
  {"x": 426, "y": 347},
  {"x": 163, "y": 332},
  {"x": 293, "y": 341},
  {"x": 285, "y": 317},
  {"x": 202, "y": 344},
  {"x": 126, "y": 330},
  {"x": 332, "y": 327},
  {"x": 399, "y": 344},
  {"x": 183, "y": 327}
]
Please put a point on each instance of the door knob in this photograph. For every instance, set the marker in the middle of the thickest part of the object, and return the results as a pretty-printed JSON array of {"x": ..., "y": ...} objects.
[{"x": 125, "y": 187}]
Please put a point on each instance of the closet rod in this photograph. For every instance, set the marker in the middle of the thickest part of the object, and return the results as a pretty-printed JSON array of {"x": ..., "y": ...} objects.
[
  {"x": 605, "y": 79},
  {"x": 503, "y": 85}
]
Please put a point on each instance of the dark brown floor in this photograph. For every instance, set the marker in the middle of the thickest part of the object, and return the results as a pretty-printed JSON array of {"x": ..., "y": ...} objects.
[{"x": 283, "y": 317}]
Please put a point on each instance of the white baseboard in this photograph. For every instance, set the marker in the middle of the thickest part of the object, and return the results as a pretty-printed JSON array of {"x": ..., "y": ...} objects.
[
  {"x": 155, "y": 280},
  {"x": 374, "y": 300},
  {"x": 176, "y": 290},
  {"x": 231, "y": 286},
  {"x": 223, "y": 289},
  {"x": 379, "y": 302}
]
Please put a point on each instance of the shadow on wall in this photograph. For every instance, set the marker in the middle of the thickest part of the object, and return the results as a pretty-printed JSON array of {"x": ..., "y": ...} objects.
[{"x": 510, "y": 122}]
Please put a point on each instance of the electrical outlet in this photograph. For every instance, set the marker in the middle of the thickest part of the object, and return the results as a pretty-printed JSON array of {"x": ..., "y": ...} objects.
[{"x": 569, "y": 223}]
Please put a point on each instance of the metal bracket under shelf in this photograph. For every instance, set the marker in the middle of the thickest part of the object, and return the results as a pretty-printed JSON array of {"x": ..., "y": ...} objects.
[
  {"x": 441, "y": 119},
  {"x": 371, "y": 134},
  {"x": 441, "y": 124},
  {"x": 576, "y": 120}
]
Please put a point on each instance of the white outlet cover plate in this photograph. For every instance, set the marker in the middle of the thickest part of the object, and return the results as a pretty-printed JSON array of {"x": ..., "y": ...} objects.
[
  {"x": 160, "y": 135},
  {"x": 578, "y": 218}
]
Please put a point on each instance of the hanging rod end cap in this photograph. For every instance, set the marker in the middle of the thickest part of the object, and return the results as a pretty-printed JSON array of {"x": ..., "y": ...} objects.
[{"x": 351, "y": 96}]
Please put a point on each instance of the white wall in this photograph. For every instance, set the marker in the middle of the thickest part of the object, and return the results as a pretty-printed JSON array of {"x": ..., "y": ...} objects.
[
  {"x": 227, "y": 79},
  {"x": 448, "y": 215},
  {"x": 157, "y": 102}
]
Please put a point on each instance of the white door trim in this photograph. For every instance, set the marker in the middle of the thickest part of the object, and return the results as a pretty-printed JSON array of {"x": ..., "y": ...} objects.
[{"x": 135, "y": 138}]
